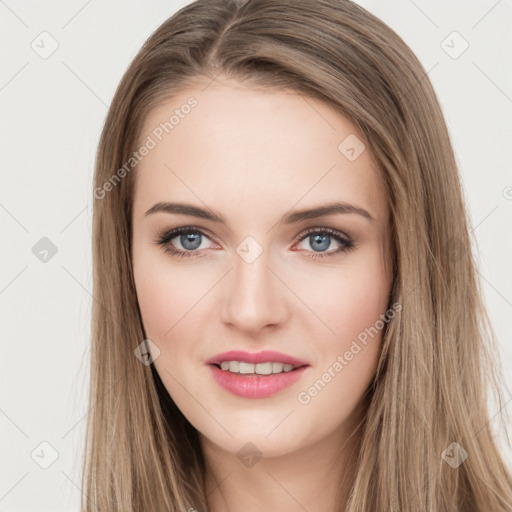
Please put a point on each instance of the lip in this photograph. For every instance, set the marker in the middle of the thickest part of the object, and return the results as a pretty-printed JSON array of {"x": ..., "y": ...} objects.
[
  {"x": 256, "y": 357},
  {"x": 255, "y": 386}
]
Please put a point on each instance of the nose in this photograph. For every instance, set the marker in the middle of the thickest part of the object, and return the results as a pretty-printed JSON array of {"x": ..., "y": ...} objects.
[{"x": 255, "y": 298}]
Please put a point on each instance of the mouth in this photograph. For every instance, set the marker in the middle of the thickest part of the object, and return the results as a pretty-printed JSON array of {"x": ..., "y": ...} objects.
[{"x": 256, "y": 374}]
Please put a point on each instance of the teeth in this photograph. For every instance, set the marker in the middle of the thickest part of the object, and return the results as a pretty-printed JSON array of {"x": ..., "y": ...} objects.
[{"x": 259, "y": 368}]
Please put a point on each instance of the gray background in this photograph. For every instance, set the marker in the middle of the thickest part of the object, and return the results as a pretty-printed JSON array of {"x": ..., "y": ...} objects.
[{"x": 52, "y": 110}]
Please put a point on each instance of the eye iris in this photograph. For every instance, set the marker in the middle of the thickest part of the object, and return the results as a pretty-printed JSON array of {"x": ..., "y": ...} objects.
[
  {"x": 190, "y": 237},
  {"x": 323, "y": 238}
]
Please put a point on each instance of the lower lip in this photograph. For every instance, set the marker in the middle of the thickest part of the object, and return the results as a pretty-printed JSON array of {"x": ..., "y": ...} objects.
[{"x": 255, "y": 386}]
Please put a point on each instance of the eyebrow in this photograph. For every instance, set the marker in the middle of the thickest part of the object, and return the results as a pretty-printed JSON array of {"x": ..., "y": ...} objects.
[{"x": 290, "y": 218}]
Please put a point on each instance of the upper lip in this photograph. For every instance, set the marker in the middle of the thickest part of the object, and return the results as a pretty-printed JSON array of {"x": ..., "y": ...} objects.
[{"x": 256, "y": 357}]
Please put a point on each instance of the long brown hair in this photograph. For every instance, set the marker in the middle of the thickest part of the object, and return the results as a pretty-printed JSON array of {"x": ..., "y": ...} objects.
[{"x": 439, "y": 356}]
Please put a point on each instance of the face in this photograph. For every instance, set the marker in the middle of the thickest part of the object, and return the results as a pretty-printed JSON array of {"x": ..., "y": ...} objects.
[{"x": 254, "y": 272}]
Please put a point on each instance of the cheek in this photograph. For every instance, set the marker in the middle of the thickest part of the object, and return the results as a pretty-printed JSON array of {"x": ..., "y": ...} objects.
[
  {"x": 169, "y": 295},
  {"x": 162, "y": 292},
  {"x": 152, "y": 296},
  {"x": 350, "y": 301},
  {"x": 353, "y": 305}
]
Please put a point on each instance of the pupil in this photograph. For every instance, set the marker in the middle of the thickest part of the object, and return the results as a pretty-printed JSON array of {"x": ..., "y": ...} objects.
[
  {"x": 319, "y": 238},
  {"x": 190, "y": 238}
]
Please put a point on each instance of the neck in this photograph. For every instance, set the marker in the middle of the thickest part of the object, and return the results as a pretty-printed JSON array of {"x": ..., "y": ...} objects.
[{"x": 316, "y": 477}]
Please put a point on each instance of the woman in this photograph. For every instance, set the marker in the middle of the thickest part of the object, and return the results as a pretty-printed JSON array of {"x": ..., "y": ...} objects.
[{"x": 287, "y": 314}]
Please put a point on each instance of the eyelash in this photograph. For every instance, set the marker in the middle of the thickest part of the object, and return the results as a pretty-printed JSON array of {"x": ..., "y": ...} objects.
[{"x": 163, "y": 240}]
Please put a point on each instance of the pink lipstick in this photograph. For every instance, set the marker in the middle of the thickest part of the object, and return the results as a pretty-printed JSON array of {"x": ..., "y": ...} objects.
[{"x": 255, "y": 385}]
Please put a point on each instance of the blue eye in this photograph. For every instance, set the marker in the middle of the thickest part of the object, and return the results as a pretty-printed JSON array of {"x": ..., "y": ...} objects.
[
  {"x": 319, "y": 238},
  {"x": 191, "y": 239}
]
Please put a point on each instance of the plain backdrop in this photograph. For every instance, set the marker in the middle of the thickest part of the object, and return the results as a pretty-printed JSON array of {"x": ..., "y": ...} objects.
[{"x": 52, "y": 111}]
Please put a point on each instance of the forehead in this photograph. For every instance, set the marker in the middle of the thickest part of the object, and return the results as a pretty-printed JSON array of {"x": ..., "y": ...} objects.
[{"x": 228, "y": 144}]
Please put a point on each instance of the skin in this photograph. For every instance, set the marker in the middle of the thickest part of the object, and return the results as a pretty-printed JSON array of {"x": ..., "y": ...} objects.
[{"x": 254, "y": 156}]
